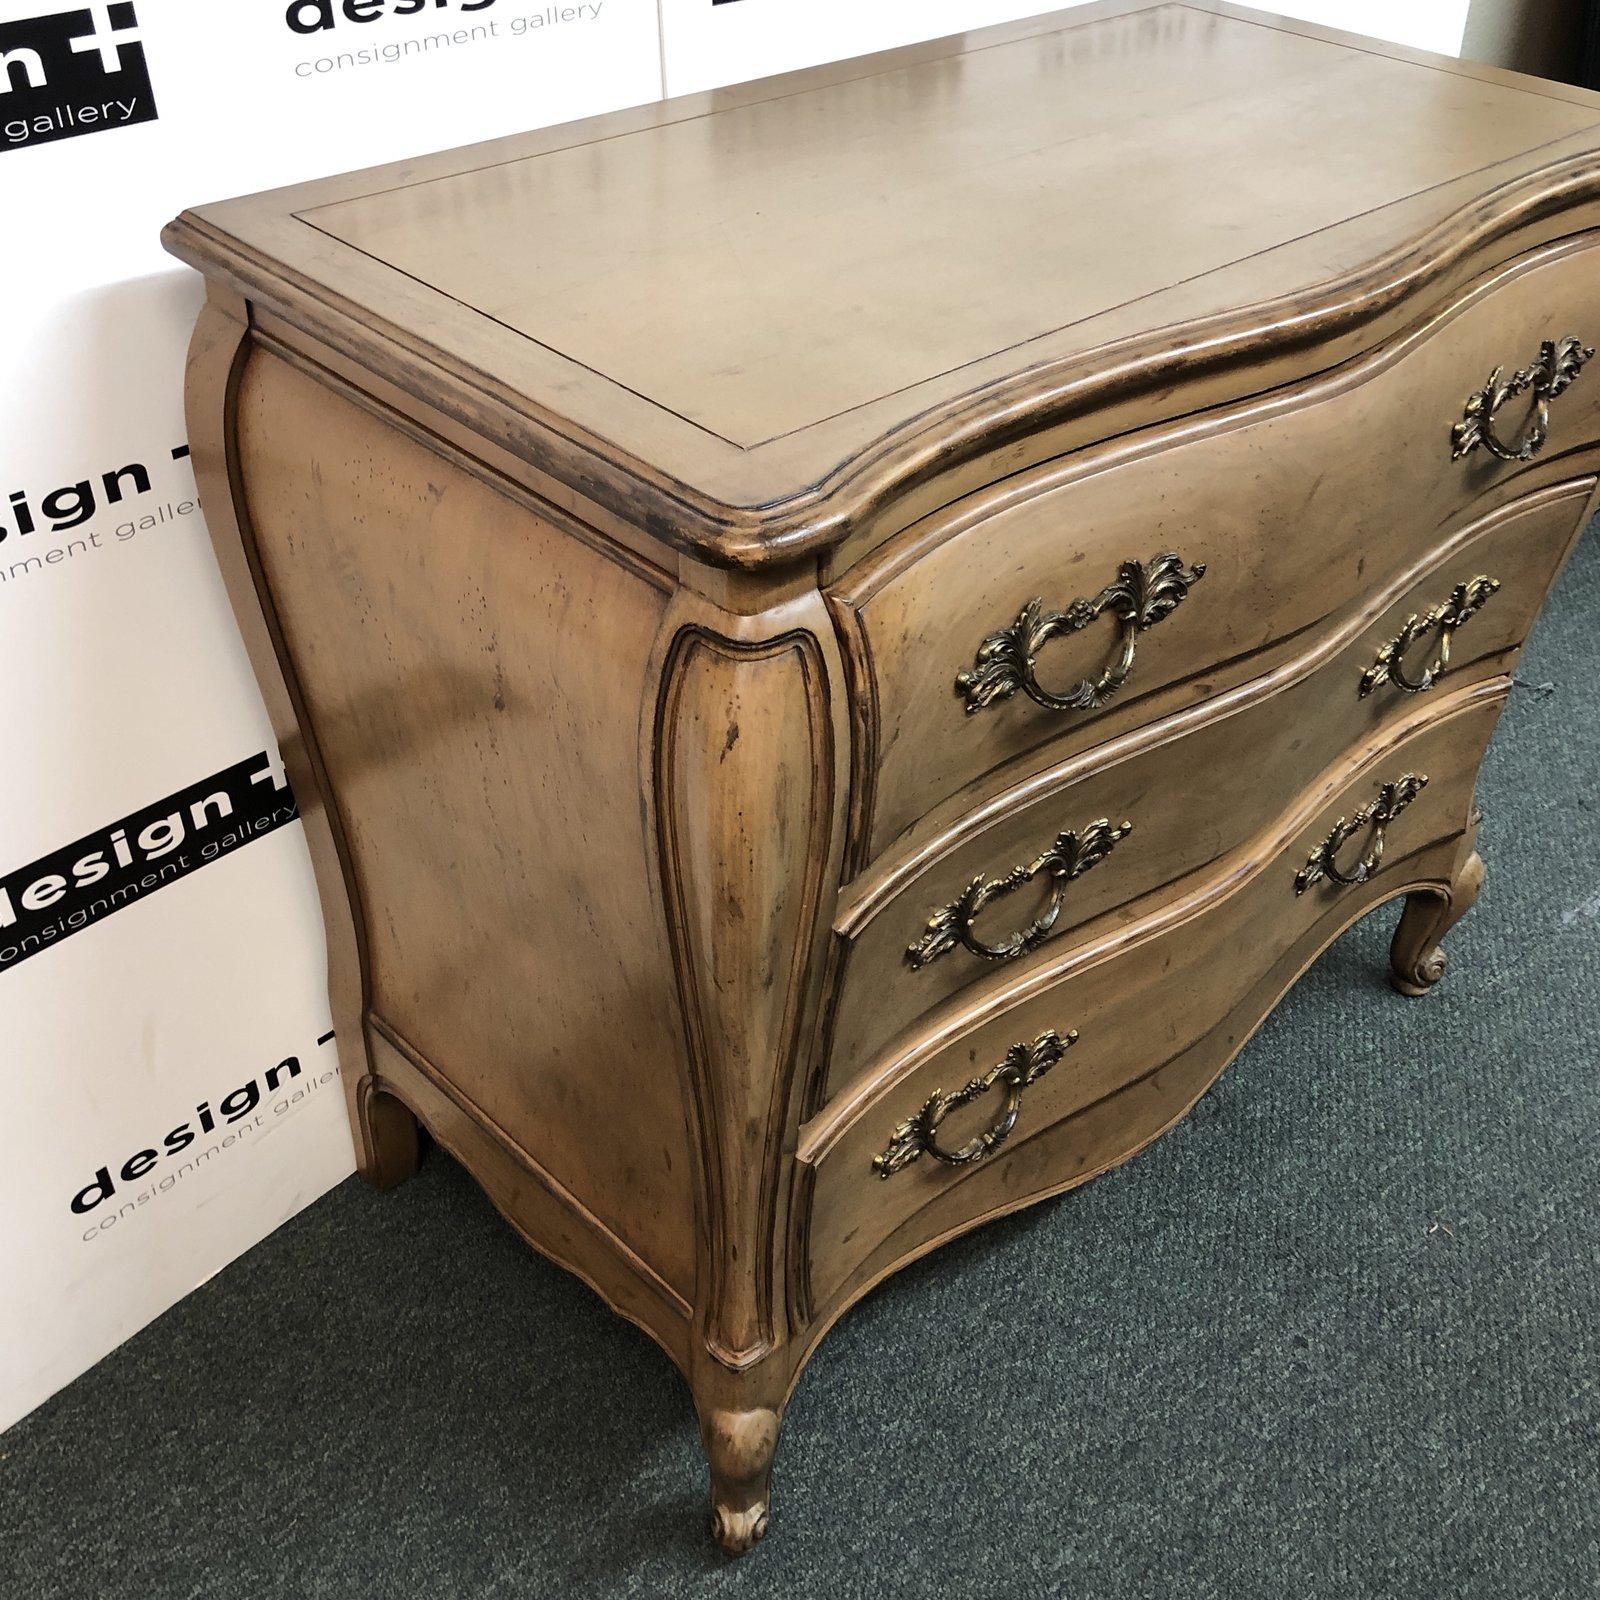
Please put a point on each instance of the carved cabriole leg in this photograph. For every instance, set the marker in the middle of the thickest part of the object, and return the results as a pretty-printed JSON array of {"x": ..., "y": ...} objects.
[
  {"x": 385, "y": 1131},
  {"x": 747, "y": 747},
  {"x": 1416, "y": 960}
]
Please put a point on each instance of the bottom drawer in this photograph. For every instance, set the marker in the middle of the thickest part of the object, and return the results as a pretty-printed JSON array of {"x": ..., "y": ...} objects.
[{"x": 1158, "y": 1008}]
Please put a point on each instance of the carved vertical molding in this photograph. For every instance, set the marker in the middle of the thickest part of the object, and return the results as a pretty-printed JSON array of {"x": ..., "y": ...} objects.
[{"x": 745, "y": 805}]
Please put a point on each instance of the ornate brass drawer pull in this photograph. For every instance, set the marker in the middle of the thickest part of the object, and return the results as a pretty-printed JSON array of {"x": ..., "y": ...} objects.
[
  {"x": 919, "y": 1135},
  {"x": 1377, "y": 814},
  {"x": 1141, "y": 595},
  {"x": 1466, "y": 600},
  {"x": 1069, "y": 856},
  {"x": 1549, "y": 376}
]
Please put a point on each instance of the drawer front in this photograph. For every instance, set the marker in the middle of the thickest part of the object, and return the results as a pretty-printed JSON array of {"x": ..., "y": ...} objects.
[
  {"x": 1010, "y": 886},
  {"x": 1066, "y": 596},
  {"x": 1205, "y": 967}
]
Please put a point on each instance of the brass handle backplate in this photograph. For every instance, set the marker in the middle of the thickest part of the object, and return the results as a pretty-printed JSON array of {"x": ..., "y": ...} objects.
[
  {"x": 1142, "y": 593},
  {"x": 1068, "y": 857},
  {"x": 919, "y": 1135},
  {"x": 1377, "y": 814},
  {"x": 1465, "y": 602},
  {"x": 1549, "y": 376}
]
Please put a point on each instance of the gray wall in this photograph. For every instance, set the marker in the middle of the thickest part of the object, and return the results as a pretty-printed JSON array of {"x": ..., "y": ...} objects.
[{"x": 1541, "y": 36}]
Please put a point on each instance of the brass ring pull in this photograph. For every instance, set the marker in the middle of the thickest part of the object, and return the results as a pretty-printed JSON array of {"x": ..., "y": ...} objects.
[
  {"x": 1071, "y": 855},
  {"x": 1377, "y": 814},
  {"x": 1466, "y": 600},
  {"x": 1142, "y": 593},
  {"x": 1548, "y": 377},
  {"x": 919, "y": 1135}
]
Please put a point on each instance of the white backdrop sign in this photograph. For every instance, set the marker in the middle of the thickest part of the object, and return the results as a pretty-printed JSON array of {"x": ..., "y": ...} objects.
[
  {"x": 165, "y": 1072},
  {"x": 167, "y": 1081}
]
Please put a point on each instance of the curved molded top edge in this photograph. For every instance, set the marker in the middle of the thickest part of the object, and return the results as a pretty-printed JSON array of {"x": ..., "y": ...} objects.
[
  {"x": 1156, "y": 367},
  {"x": 1163, "y": 361}
]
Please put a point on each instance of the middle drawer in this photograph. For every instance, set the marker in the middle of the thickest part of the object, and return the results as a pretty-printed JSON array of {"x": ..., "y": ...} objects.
[{"x": 983, "y": 894}]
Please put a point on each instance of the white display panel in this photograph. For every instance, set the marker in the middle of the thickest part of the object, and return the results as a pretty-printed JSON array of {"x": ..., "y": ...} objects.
[{"x": 124, "y": 680}]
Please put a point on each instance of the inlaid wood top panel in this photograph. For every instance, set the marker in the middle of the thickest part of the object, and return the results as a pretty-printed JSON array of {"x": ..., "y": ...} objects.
[
  {"x": 745, "y": 320},
  {"x": 764, "y": 268}
]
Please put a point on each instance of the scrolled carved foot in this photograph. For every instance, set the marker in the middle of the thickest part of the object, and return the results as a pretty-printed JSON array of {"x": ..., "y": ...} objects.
[
  {"x": 739, "y": 1447},
  {"x": 1416, "y": 960},
  {"x": 1421, "y": 979},
  {"x": 739, "y": 1532}
]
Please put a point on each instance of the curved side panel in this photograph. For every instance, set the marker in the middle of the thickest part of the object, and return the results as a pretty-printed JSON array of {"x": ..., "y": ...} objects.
[
  {"x": 475, "y": 670},
  {"x": 386, "y": 1137}
]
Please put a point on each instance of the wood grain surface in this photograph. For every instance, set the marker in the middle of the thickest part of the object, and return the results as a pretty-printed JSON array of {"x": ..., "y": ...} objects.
[
  {"x": 1298, "y": 503},
  {"x": 1106, "y": 206},
  {"x": 1194, "y": 785},
  {"x": 1136, "y": 1012},
  {"x": 609, "y": 512},
  {"x": 490, "y": 788}
]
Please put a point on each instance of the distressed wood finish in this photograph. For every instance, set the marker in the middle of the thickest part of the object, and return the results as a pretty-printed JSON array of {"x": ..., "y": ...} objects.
[
  {"x": 1331, "y": 459},
  {"x": 482, "y": 777},
  {"x": 1141, "y": 994},
  {"x": 1191, "y": 784},
  {"x": 609, "y": 566},
  {"x": 744, "y": 787}
]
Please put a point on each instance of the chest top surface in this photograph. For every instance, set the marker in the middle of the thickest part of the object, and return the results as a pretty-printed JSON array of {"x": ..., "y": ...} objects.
[{"x": 741, "y": 313}]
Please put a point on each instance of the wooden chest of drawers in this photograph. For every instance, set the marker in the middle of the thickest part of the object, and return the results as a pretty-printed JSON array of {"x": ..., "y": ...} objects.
[{"x": 843, "y": 641}]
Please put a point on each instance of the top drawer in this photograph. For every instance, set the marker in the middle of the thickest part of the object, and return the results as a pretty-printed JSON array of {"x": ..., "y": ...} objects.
[{"x": 1294, "y": 504}]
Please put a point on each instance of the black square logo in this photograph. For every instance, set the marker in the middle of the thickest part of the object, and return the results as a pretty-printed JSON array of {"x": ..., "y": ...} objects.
[{"x": 70, "y": 73}]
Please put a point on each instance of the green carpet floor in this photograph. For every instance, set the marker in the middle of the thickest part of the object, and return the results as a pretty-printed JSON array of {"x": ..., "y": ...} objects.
[{"x": 1336, "y": 1335}]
